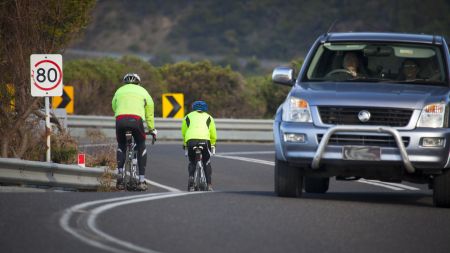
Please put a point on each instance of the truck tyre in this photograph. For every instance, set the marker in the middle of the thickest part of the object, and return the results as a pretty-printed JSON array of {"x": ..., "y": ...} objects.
[
  {"x": 317, "y": 184},
  {"x": 288, "y": 182},
  {"x": 441, "y": 190}
]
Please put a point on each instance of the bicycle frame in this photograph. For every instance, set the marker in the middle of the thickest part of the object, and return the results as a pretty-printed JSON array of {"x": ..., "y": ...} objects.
[{"x": 200, "y": 183}]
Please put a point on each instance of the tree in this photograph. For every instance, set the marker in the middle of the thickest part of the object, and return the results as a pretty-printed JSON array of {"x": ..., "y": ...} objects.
[{"x": 30, "y": 27}]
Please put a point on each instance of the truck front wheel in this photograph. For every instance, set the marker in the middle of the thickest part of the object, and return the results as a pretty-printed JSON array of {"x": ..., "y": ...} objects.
[
  {"x": 288, "y": 182},
  {"x": 441, "y": 190}
]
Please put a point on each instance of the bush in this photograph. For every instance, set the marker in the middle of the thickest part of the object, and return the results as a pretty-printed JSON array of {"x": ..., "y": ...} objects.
[
  {"x": 64, "y": 148},
  {"x": 96, "y": 80},
  {"x": 223, "y": 89}
]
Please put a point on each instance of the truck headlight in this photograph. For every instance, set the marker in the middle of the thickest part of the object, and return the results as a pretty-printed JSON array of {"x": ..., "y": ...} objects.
[
  {"x": 432, "y": 115},
  {"x": 296, "y": 110}
]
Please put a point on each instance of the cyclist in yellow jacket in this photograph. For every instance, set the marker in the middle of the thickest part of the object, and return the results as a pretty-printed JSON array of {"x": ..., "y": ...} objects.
[
  {"x": 198, "y": 128},
  {"x": 131, "y": 105}
]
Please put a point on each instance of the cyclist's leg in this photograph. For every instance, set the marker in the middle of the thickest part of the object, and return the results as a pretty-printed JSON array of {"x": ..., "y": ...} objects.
[
  {"x": 191, "y": 156},
  {"x": 139, "y": 138},
  {"x": 191, "y": 167},
  {"x": 121, "y": 148}
]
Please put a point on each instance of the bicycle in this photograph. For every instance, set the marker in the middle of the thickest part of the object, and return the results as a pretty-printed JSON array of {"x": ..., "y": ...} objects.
[
  {"x": 199, "y": 174},
  {"x": 130, "y": 174},
  {"x": 200, "y": 183}
]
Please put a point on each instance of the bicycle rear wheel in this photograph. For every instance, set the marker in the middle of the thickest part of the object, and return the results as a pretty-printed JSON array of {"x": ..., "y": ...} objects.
[
  {"x": 197, "y": 176},
  {"x": 126, "y": 172}
]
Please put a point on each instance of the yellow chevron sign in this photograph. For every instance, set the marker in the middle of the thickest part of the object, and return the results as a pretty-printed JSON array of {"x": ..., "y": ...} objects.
[
  {"x": 173, "y": 105},
  {"x": 65, "y": 101}
]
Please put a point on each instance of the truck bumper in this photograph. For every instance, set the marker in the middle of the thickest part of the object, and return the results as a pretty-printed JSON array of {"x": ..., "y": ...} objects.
[{"x": 315, "y": 153}]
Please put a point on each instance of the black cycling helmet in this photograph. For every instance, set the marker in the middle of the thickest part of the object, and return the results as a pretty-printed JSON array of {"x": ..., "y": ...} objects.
[
  {"x": 200, "y": 106},
  {"x": 131, "y": 78}
]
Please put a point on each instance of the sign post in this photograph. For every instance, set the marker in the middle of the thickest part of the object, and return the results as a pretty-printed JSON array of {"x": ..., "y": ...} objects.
[{"x": 46, "y": 81}]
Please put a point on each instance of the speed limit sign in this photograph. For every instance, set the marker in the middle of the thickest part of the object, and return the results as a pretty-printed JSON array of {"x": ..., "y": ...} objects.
[{"x": 46, "y": 75}]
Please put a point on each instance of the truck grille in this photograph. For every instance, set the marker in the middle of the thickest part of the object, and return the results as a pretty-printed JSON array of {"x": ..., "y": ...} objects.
[
  {"x": 363, "y": 140},
  {"x": 379, "y": 116}
]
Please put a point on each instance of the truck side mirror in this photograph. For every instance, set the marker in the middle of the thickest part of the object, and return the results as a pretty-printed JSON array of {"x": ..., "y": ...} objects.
[{"x": 283, "y": 75}]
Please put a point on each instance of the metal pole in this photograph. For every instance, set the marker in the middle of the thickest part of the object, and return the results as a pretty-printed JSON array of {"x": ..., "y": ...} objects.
[{"x": 48, "y": 129}]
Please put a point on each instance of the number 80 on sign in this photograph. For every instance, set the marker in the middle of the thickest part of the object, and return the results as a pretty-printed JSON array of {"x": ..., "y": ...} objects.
[{"x": 46, "y": 75}]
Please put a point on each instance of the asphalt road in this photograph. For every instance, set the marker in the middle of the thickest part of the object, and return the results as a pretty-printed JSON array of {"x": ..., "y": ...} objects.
[{"x": 241, "y": 215}]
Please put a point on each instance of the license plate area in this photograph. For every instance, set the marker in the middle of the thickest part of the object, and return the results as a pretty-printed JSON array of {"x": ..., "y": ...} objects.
[{"x": 361, "y": 153}]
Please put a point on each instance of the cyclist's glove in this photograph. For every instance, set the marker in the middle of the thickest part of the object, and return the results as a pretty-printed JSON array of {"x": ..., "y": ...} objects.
[
  {"x": 213, "y": 150},
  {"x": 153, "y": 132}
]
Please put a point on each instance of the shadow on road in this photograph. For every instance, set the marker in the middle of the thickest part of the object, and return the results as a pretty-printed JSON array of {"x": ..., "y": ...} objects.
[{"x": 407, "y": 199}]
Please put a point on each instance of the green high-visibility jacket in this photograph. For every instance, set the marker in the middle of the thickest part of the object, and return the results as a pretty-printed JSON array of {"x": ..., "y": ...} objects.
[
  {"x": 199, "y": 125},
  {"x": 135, "y": 100}
]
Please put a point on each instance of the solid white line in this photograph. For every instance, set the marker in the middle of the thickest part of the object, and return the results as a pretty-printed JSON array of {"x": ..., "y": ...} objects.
[
  {"x": 245, "y": 159},
  {"x": 380, "y": 184},
  {"x": 407, "y": 187},
  {"x": 97, "y": 211},
  {"x": 113, "y": 202},
  {"x": 247, "y": 153},
  {"x": 65, "y": 218},
  {"x": 171, "y": 189},
  {"x": 392, "y": 186}
]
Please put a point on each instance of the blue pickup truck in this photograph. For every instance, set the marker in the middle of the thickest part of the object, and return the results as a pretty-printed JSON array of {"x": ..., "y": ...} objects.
[{"x": 366, "y": 105}]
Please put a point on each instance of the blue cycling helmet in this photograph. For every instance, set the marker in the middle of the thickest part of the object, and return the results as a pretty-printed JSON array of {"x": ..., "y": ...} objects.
[{"x": 200, "y": 106}]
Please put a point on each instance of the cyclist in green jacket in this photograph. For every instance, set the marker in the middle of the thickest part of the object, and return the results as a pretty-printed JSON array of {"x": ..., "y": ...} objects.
[
  {"x": 131, "y": 105},
  {"x": 198, "y": 128}
]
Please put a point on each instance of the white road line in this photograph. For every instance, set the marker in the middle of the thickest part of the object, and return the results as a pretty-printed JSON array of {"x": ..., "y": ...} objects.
[
  {"x": 171, "y": 189},
  {"x": 245, "y": 159},
  {"x": 407, "y": 187},
  {"x": 65, "y": 220},
  {"x": 372, "y": 182},
  {"x": 94, "y": 213},
  {"x": 247, "y": 153},
  {"x": 391, "y": 186},
  {"x": 97, "y": 211}
]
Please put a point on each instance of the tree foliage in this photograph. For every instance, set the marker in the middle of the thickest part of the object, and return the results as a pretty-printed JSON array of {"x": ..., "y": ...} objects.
[
  {"x": 30, "y": 27},
  {"x": 228, "y": 93},
  {"x": 96, "y": 80},
  {"x": 223, "y": 89}
]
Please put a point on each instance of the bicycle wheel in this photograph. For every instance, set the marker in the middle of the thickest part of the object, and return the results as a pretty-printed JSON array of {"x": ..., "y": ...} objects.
[
  {"x": 134, "y": 178},
  {"x": 203, "y": 184},
  {"x": 197, "y": 175},
  {"x": 127, "y": 170}
]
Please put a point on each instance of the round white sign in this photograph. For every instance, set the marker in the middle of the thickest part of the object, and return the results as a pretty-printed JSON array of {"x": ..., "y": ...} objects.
[{"x": 46, "y": 75}]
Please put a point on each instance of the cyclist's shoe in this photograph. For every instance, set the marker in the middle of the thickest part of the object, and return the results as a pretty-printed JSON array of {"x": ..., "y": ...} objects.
[
  {"x": 142, "y": 186},
  {"x": 119, "y": 184},
  {"x": 210, "y": 189}
]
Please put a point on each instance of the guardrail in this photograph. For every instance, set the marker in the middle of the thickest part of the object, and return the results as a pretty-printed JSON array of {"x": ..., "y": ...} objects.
[
  {"x": 17, "y": 171},
  {"x": 170, "y": 129}
]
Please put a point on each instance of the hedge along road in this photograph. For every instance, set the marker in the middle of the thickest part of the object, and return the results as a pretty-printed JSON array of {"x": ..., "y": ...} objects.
[{"x": 242, "y": 215}]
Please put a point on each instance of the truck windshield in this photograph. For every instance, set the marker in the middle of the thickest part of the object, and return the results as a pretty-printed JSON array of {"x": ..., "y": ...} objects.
[{"x": 376, "y": 62}]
